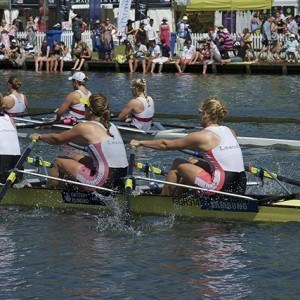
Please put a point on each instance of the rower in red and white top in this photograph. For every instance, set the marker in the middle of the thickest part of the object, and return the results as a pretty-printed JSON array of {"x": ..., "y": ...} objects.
[
  {"x": 140, "y": 109},
  {"x": 15, "y": 103},
  {"x": 72, "y": 106}
]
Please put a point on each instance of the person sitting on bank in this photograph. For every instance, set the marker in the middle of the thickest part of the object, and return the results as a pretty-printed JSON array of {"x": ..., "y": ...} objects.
[
  {"x": 14, "y": 53},
  {"x": 166, "y": 56},
  {"x": 215, "y": 55},
  {"x": 52, "y": 61},
  {"x": 139, "y": 110},
  {"x": 154, "y": 51},
  {"x": 10, "y": 151},
  {"x": 43, "y": 55},
  {"x": 186, "y": 57},
  {"x": 72, "y": 104},
  {"x": 15, "y": 103},
  {"x": 140, "y": 54},
  {"x": 85, "y": 55},
  {"x": 106, "y": 163},
  {"x": 223, "y": 165}
]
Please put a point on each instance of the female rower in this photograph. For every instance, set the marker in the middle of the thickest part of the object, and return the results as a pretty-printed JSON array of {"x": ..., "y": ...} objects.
[
  {"x": 15, "y": 103},
  {"x": 107, "y": 161},
  {"x": 9, "y": 143},
  {"x": 72, "y": 103},
  {"x": 141, "y": 108},
  {"x": 223, "y": 166}
]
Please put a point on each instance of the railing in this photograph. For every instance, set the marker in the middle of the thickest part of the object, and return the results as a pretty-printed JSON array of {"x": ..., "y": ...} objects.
[{"x": 66, "y": 37}]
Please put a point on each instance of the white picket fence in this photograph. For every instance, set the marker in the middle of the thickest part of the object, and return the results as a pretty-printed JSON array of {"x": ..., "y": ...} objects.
[{"x": 66, "y": 37}]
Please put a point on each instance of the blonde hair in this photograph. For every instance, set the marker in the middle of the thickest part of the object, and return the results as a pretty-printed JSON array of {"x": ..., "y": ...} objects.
[
  {"x": 100, "y": 107},
  {"x": 14, "y": 82},
  {"x": 139, "y": 86},
  {"x": 215, "y": 109}
]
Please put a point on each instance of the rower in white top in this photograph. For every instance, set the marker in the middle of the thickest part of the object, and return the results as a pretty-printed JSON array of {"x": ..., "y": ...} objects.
[
  {"x": 140, "y": 110},
  {"x": 15, "y": 103}
]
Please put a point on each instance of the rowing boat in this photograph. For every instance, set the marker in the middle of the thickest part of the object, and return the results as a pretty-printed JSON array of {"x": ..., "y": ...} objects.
[
  {"x": 146, "y": 201},
  {"x": 158, "y": 131}
]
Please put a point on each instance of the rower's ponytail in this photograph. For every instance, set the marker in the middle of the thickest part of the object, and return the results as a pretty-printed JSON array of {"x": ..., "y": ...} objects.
[{"x": 139, "y": 86}]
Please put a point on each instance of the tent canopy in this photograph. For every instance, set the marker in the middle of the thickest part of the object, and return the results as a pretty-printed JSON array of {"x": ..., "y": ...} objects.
[{"x": 213, "y": 5}]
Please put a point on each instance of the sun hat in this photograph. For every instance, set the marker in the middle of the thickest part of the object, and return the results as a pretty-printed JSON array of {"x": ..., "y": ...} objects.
[
  {"x": 78, "y": 76},
  {"x": 292, "y": 36},
  {"x": 220, "y": 26},
  {"x": 185, "y": 18},
  {"x": 165, "y": 19},
  {"x": 225, "y": 30},
  {"x": 13, "y": 41},
  {"x": 72, "y": 15}
]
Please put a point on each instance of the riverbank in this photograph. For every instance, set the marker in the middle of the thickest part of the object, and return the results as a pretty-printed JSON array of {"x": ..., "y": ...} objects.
[{"x": 243, "y": 67}]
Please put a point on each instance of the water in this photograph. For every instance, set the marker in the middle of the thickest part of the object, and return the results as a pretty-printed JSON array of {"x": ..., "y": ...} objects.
[{"x": 49, "y": 255}]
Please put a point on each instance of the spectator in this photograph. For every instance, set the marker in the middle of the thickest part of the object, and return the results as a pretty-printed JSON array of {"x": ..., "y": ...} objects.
[
  {"x": 292, "y": 26},
  {"x": 140, "y": 54},
  {"x": 186, "y": 57},
  {"x": 166, "y": 56},
  {"x": 246, "y": 42},
  {"x": 255, "y": 24},
  {"x": 14, "y": 53},
  {"x": 183, "y": 33},
  {"x": 128, "y": 57},
  {"x": 96, "y": 32},
  {"x": 27, "y": 51},
  {"x": 13, "y": 30},
  {"x": 266, "y": 36},
  {"x": 3, "y": 51},
  {"x": 31, "y": 28},
  {"x": 297, "y": 19},
  {"x": 225, "y": 42},
  {"x": 52, "y": 61},
  {"x": 201, "y": 54},
  {"x": 108, "y": 39},
  {"x": 275, "y": 44},
  {"x": 154, "y": 52},
  {"x": 85, "y": 55},
  {"x": 130, "y": 31},
  {"x": 150, "y": 32},
  {"x": 43, "y": 55},
  {"x": 164, "y": 32},
  {"x": 214, "y": 53},
  {"x": 4, "y": 30},
  {"x": 65, "y": 55},
  {"x": 141, "y": 34},
  {"x": 291, "y": 47},
  {"x": 101, "y": 50},
  {"x": 77, "y": 25},
  {"x": 279, "y": 23}
]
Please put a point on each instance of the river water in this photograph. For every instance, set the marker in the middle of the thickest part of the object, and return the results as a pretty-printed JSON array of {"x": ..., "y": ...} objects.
[{"x": 49, "y": 255}]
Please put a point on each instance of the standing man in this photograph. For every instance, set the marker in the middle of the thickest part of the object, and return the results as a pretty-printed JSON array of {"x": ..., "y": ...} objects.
[
  {"x": 77, "y": 24},
  {"x": 151, "y": 32},
  {"x": 183, "y": 33}
]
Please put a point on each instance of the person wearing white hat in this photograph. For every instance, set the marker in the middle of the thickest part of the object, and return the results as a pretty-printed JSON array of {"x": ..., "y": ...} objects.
[
  {"x": 291, "y": 47},
  {"x": 183, "y": 33},
  {"x": 72, "y": 103}
]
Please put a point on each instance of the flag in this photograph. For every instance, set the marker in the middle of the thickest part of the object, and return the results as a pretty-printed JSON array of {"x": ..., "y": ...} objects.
[
  {"x": 95, "y": 10},
  {"x": 63, "y": 13},
  {"x": 124, "y": 10},
  {"x": 141, "y": 8}
]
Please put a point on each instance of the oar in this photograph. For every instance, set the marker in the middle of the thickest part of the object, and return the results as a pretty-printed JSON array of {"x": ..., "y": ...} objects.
[
  {"x": 129, "y": 186},
  {"x": 35, "y": 124},
  {"x": 12, "y": 176},
  {"x": 35, "y": 114},
  {"x": 194, "y": 188},
  {"x": 181, "y": 126},
  {"x": 266, "y": 174},
  {"x": 67, "y": 181}
]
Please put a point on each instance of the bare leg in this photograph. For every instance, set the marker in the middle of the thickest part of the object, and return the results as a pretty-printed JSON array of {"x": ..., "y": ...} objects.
[
  {"x": 152, "y": 67},
  {"x": 177, "y": 66},
  {"x": 144, "y": 66},
  {"x": 81, "y": 64},
  {"x": 160, "y": 66},
  {"x": 61, "y": 65}
]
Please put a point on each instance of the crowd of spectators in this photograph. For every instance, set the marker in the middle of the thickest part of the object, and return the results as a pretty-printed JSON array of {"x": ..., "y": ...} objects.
[{"x": 146, "y": 48}]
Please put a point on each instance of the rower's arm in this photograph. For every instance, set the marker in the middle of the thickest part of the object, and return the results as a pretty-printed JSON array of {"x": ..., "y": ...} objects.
[
  {"x": 65, "y": 106},
  {"x": 130, "y": 106}
]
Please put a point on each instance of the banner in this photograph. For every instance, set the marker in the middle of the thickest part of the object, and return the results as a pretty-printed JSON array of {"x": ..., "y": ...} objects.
[
  {"x": 141, "y": 8},
  {"x": 124, "y": 10},
  {"x": 95, "y": 10},
  {"x": 63, "y": 14}
]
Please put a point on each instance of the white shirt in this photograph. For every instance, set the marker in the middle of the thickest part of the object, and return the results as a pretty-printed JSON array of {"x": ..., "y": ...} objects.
[
  {"x": 151, "y": 32},
  {"x": 188, "y": 51},
  {"x": 138, "y": 51},
  {"x": 154, "y": 51}
]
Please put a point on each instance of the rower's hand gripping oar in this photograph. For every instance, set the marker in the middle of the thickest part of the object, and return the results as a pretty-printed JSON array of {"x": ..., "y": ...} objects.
[
  {"x": 129, "y": 185},
  {"x": 12, "y": 176}
]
